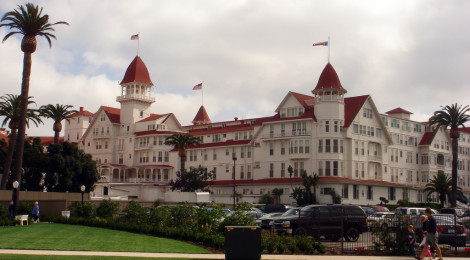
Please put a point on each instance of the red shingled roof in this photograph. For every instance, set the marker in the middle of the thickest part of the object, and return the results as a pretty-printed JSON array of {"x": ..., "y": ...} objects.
[
  {"x": 114, "y": 114},
  {"x": 329, "y": 80},
  {"x": 152, "y": 117},
  {"x": 398, "y": 110},
  {"x": 82, "y": 112},
  {"x": 46, "y": 140},
  {"x": 302, "y": 99},
  {"x": 201, "y": 117},
  {"x": 137, "y": 72},
  {"x": 352, "y": 106},
  {"x": 428, "y": 137}
]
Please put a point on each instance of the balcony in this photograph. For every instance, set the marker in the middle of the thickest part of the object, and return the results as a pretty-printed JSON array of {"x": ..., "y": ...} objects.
[
  {"x": 286, "y": 134},
  {"x": 135, "y": 97}
]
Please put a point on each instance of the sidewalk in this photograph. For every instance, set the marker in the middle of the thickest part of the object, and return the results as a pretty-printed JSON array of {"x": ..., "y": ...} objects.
[{"x": 207, "y": 256}]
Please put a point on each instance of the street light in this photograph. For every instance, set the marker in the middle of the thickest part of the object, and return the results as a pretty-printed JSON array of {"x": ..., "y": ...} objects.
[
  {"x": 234, "y": 158},
  {"x": 82, "y": 188},
  {"x": 14, "y": 196}
]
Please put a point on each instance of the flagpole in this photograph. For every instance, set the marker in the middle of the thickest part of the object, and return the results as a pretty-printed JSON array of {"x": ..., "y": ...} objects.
[
  {"x": 202, "y": 93},
  {"x": 329, "y": 44},
  {"x": 138, "y": 43}
]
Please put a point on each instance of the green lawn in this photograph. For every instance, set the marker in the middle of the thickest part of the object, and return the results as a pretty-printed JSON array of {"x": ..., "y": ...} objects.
[
  {"x": 60, "y": 257},
  {"x": 45, "y": 236}
]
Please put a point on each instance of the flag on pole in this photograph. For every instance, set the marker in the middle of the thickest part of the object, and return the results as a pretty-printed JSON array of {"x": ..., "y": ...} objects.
[
  {"x": 321, "y": 44},
  {"x": 198, "y": 87},
  {"x": 135, "y": 37}
]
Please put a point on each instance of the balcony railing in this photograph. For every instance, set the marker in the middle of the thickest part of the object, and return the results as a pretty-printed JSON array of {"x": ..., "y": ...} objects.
[
  {"x": 286, "y": 134},
  {"x": 135, "y": 96}
]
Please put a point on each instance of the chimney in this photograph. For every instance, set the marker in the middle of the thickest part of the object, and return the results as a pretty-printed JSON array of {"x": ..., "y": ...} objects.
[
  {"x": 236, "y": 118},
  {"x": 81, "y": 109}
]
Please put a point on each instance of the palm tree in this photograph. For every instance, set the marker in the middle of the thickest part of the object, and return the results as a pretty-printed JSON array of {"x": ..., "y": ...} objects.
[
  {"x": 58, "y": 113},
  {"x": 440, "y": 184},
  {"x": 452, "y": 116},
  {"x": 181, "y": 141},
  {"x": 28, "y": 21},
  {"x": 10, "y": 109}
]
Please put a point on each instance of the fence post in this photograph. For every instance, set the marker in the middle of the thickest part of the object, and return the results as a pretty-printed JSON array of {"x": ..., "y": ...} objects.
[{"x": 342, "y": 231}]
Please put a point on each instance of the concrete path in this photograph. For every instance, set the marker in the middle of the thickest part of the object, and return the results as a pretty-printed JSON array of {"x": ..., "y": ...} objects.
[{"x": 207, "y": 256}]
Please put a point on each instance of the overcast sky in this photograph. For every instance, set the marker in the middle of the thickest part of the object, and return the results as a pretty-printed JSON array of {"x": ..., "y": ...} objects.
[{"x": 249, "y": 54}]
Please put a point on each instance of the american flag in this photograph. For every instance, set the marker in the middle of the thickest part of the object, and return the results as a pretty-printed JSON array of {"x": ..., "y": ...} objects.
[
  {"x": 198, "y": 87},
  {"x": 321, "y": 44},
  {"x": 135, "y": 37}
]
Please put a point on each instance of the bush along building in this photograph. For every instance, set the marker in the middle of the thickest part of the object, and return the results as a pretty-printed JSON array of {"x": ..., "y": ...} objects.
[{"x": 357, "y": 152}]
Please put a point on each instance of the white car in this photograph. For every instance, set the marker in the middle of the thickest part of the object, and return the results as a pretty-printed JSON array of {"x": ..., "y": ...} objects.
[{"x": 377, "y": 217}]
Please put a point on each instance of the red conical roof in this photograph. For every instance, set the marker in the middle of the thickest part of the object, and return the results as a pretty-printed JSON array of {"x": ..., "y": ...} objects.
[
  {"x": 137, "y": 72},
  {"x": 201, "y": 117},
  {"x": 329, "y": 80}
]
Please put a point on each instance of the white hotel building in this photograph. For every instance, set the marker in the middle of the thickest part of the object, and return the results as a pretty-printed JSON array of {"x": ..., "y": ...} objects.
[{"x": 358, "y": 152}]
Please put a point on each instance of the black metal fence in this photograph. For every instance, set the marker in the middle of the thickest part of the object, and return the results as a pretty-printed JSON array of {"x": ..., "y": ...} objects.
[{"x": 388, "y": 234}]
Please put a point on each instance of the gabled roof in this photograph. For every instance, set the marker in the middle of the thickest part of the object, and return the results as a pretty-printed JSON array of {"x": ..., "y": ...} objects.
[
  {"x": 398, "y": 110},
  {"x": 114, "y": 114},
  {"x": 152, "y": 117},
  {"x": 304, "y": 100},
  {"x": 201, "y": 117},
  {"x": 428, "y": 137},
  {"x": 352, "y": 106},
  {"x": 137, "y": 72},
  {"x": 329, "y": 80}
]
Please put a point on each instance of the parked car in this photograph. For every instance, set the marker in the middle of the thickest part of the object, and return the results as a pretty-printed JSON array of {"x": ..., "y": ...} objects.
[
  {"x": 454, "y": 211},
  {"x": 266, "y": 221},
  {"x": 449, "y": 232},
  {"x": 330, "y": 221},
  {"x": 377, "y": 217},
  {"x": 256, "y": 213},
  {"x": 412, "y": 211},
  {"x": 270, "y": 208},
  {"x": 368, "y": 210},
  {"x": 380, "y": 208}
]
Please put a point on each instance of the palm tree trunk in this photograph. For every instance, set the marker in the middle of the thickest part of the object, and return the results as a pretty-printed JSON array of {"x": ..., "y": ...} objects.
[
  {"x": 8, "y": 160},
  {"x": 455, "y": 148},
  {"x": 56, "y": 137},
  {"x": 17, "y": 169}
]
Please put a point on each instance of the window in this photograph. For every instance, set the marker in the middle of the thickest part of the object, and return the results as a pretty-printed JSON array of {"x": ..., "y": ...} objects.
[
  {"x": 345, "y": 191},
  {"x": 355, "y": 192},
  {"x": 320, "y": 146},
  {"x": 283, "y": 148},
  {"x": 283, "y": 170},
  {"x": 327, "y": 126},
  {"x": 355, "y": 128},
  {"x": 370, "y": 195},
  {"x": 327, "y": 145},
  {"x": 391, "y": 193},
  {"x": 271, "y": 170},
  {"x": 271, "y": 148},
  {"x": 327, "y": 168}
]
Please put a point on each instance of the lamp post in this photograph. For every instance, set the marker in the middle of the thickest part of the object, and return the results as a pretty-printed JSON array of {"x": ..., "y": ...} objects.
[
  {"x": 82, "y": 188},
  {"x": 234, "y": 158},
  {"x": 14, "y": 196}
]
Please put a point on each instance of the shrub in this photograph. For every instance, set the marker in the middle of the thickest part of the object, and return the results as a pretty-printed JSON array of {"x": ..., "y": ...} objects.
[
  {"x": 135, "y": 213},
  {"x": 85, "y": 210},
  {"x": 24, "y": 208},
  {"x": 3, "y": 212},
  {"x": 304, "y": 244},
  {"x": 107, "y": 209}
]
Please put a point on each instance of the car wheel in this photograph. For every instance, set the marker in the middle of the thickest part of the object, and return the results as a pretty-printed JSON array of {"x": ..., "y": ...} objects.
[
  {"x": 352, "y": 234},
  {"x": 300, "y": 232}
]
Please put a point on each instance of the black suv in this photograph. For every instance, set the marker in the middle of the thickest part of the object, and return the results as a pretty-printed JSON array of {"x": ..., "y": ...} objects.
[{"x": 330, "y": 221}]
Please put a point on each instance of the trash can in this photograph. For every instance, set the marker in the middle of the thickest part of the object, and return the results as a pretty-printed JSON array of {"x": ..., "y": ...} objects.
[{"x": 242, "y": 242}]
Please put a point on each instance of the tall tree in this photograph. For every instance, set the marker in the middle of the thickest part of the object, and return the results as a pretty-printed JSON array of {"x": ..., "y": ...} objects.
[
  {"x": 181, "y": 141},
  {"x": 452, "y": 116},
  {"x": 28, "y": 21},
  {"x": 58, "y": 113},
  {"x": 193, "y": 180},
  {"x": 10, "y": 110},
  {"x": 440, "y": 184}
]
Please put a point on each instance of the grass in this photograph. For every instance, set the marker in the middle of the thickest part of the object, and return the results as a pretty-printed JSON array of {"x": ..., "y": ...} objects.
[
  {"x": 48, "y": 236},
  {"x": 60, "y": 257}
]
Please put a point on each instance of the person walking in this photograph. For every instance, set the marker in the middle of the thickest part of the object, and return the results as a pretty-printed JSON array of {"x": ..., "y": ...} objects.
[
  {"x": 411, "y": 241},
  {"x": 431, "y": 237},
  {"x": 36, "y": 212},
  {"x": 424, "y": 221},
  {"x": 11, "y": 210}
]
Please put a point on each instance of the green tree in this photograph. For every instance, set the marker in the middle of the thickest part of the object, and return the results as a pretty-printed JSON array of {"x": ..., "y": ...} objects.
[
  {"x": 69, "y": 168},
  {"x": 181, "y": 141},
  {"x": 442, "y": 185},
  {"x": 305, "y": 196},
  {"x": 27, "y": 21},
  {"x": 192, "y": 180},
  {"x": 10, "y": 110},
  {"x": 452, "y": 116},
  {"x": 107, "y": 209},
  {"x": 34, "y": 165},
  {"x": 277, "y": 192},
  {"x": 58, "y": 113}
]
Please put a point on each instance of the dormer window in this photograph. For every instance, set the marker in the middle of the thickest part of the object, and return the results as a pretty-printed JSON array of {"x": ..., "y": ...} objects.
[{"x": 141, "y": 113}]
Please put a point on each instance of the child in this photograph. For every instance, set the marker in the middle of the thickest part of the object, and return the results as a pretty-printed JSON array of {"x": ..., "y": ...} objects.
[
  {"x": 421, "y": 245},
  {"x": 411, "y": 241}
]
